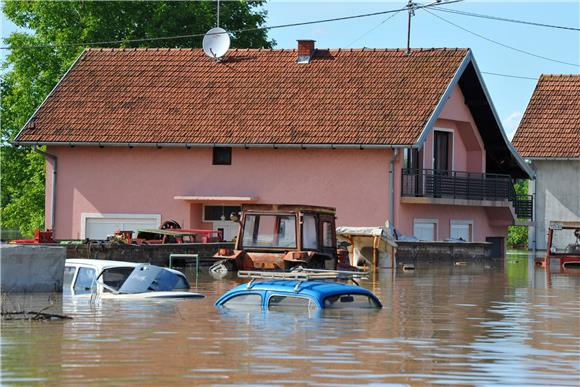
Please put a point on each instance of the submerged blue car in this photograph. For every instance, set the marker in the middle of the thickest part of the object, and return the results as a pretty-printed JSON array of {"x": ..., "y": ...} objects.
[{"x": 284, "y": 294}]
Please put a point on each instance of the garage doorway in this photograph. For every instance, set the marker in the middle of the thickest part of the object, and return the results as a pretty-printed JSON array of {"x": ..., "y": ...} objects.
[{"x": 99, "y": 226}]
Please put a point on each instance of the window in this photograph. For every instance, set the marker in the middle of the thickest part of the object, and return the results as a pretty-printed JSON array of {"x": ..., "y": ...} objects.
[
  {"x": 85, "y": 282},
  {"x": 443, "y": 149},
  {"x": 462, "y": 229},
  {"x": 327, "y": 234},
  {"x": 215, "y": 213},
  {"x": 222, "y": 155},
  {"x": 274, "y": 231},
  {"x": 289, "y": 302},
  {"x": 425, "y": 229},
  {"x": 115, "y": 277},
  {"x": 309, "y": 232},
  {"x": 411, "y": 159},
  {"x": 244, "y": 301},
  {"x": 69, "y": 274},
  {"x": 350, "y": 301}
]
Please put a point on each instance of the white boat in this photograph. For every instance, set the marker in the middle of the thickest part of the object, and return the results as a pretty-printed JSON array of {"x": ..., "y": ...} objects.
[{"x": 123, "y": 280}]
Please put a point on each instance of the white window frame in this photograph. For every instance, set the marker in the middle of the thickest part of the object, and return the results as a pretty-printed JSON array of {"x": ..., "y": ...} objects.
[
  {"x": 97, "y": 215},
  {"x": 425, "y": 220},
  {"x": 451, "y": 146},
  {"x": 227, "y": 219},
  {"x": 462, "y": 222}
]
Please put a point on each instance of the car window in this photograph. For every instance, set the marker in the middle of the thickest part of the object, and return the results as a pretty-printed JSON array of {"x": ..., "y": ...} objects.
[
  {"x": 115, "y": 276},
  {"x": 269, "y": 231},
  {"x": 69, "y": 275},
  {"x": 244, "y": 301},
  {"x": 309, "y": 232},
  {"x": 181, "y": 283},
  {"x": 167, "y": 280},
  {"x": 280, "y": 302},
  {"x": 85, "y": 282},
  {"x": 350, "y": 301},
  {"x": 327, "y": 234}
]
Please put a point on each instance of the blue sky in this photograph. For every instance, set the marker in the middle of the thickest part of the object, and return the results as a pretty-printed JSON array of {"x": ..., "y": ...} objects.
[{"x": 510, "y": 96}]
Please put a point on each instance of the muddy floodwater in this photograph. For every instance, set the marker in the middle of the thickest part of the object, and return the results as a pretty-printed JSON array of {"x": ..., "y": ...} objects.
[{"x": 509, "y": 323}]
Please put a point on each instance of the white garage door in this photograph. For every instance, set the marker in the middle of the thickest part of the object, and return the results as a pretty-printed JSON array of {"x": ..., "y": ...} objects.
[{"x": 99, "y": 226}]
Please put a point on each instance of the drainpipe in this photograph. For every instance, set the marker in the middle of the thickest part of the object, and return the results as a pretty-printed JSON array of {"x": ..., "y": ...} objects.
[
  {"x": 392, "y": 189},
  {"x": 53, "y": 159},
  {"x": 534, "y": 218}
]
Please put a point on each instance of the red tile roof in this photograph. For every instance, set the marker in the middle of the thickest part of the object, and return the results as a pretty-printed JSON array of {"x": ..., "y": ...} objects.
[
  {"x": 253, "y": 97},
  {"x": 551, "y": 124}
]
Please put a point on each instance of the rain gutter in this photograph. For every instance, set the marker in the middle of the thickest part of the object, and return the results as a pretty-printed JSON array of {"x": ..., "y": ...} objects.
[
  {"x": 392, "y": 189},
  {"x": 53, "y": 159},
  {"x": 206, "y": 145}
]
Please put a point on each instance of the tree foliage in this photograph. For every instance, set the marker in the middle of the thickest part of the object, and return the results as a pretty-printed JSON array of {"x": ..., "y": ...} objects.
[
  {"x": 518, "y": 235},
  {"x": 30, "y": 73}
]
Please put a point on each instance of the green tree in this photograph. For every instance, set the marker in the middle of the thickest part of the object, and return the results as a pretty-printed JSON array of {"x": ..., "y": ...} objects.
[
  {"x": 518, "y": 235},
  {"x": 39, "y": 56}
]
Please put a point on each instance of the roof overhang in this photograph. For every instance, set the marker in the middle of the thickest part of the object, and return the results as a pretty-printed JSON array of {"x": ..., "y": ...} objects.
[
  {"x": 501, "y": 156},
  {"x": 208, "y": 145},
  {"x": 217, "y": 199},
  {"x": 553, "y": 158},
  {"x": 441, "y": 104}
]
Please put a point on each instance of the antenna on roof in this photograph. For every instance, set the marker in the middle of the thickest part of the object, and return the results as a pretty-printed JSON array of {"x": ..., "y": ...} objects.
[
  {"x": 411, "y": 9},
  {"x": 218, "y": 14},
  {"x": 216, "y": 43}
]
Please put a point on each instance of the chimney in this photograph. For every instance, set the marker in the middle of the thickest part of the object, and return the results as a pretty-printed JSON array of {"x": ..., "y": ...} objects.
[{"x": 305, "y": 51}]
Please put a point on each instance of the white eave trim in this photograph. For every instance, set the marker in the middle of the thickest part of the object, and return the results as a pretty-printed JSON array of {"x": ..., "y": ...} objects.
[
  {"x": 443, "y": 100},
  {"x": 48, "y": 96},
  {"x": 531, "y": 173},
  {"x": 553, "y": 158},
  {"x": 209, "y": 145},
  {"x": 217, "y": 199},
  {"x": 454, "y": 81}
]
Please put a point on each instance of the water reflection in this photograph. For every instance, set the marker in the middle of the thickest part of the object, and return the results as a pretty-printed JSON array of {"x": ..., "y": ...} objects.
[{"x": 474, "y": 324}]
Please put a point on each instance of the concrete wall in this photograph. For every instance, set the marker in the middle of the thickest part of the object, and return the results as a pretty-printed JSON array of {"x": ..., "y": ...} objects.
[
  {"x": 420, "y": 253},
  {"x": 557, "y": 189},
  {"x": 153, "y": 254},
  {"x": 28, "y": 268}
]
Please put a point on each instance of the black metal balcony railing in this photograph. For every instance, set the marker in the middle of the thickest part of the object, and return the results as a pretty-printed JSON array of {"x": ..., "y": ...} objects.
[{"x": 465, "y": 185}]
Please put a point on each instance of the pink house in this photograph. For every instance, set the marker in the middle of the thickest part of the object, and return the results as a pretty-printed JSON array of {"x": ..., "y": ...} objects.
[{"x": 137, "y": 136}]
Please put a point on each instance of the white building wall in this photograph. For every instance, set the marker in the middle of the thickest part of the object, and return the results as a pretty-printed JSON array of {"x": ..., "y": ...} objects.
[{"x": 557, "y": 189}]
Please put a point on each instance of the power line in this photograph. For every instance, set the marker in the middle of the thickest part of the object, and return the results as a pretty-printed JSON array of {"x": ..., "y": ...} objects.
[
  {"x": 502, "y": 44},
  {"x": 491, "y": 17},
  {"x": 232, "y": 32},
  {"x": 509, "y": 75},
  {"x": 372, "y": 29}
]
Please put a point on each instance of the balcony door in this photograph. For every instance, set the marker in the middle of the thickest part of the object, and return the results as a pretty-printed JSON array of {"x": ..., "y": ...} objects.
[
  {"x": 441, "y": 160},
  {"x": 413, "y": 174},
  {"x": 442, "y": 151}
]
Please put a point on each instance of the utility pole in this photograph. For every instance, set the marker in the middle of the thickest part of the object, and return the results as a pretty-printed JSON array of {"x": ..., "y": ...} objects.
[{"x": 411, "y": 10}]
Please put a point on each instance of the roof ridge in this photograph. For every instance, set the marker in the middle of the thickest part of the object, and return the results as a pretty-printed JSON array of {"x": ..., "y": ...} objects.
[
  {"x": 339, "y": 49},
  {"x": 559, "y": 75}
]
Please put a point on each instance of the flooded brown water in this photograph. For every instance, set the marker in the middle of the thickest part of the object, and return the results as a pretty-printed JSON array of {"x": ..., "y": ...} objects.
[{"x": 511, "y": 325}]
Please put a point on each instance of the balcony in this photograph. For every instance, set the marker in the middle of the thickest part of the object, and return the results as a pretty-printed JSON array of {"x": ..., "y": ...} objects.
[{"x": 467, "y": 188}]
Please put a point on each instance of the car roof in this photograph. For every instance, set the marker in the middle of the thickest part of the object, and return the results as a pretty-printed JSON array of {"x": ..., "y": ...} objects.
[
  {"x": 315, "y": 289},
  {"x": 101, "y": 264}
]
